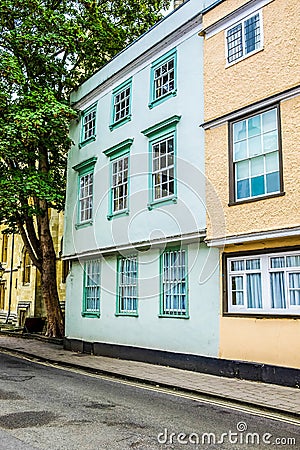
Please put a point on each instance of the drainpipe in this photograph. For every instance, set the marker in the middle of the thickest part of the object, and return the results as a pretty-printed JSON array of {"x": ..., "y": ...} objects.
[{"x": 11, "y": 276}]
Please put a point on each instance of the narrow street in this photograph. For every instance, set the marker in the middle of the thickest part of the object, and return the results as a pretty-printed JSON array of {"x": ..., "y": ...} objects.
[{"x": 47, "y": 408}]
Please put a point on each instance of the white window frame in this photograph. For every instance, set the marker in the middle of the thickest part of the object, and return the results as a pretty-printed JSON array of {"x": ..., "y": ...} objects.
[
  {"x": 242, "y": 23},
  {"x": 122, "y": 179},
  {"x": 91, "y": 288},
  {"x": 86, "y": 201},
  {"x": 265, "y": 271},
  {"x": 127, "y": 296},
  {"x": 249, "y": 158},
  {"x": 158, "y": 173},
  {"x": 174, "y": 284}
]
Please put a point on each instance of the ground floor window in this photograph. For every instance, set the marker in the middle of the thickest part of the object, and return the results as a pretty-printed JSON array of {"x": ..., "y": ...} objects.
[
  {"x": 174, "y": 283},
  {"x": 127, "y": 286},
  {"x": 91, "y": 290},
  {"x": 268, "y": 283}
]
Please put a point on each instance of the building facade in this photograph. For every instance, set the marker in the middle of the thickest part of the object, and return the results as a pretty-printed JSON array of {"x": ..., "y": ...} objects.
[
  {"x": 143, "y": 284},
  {"x": 20, "y": 286},
  {"x": 252, "y": 135}
]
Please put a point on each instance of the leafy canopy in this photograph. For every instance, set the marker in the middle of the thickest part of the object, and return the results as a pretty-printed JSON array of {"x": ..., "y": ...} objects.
[{"x": 48, "y": 48}]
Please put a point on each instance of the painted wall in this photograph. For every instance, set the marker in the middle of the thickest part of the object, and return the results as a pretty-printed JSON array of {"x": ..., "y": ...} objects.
[
  {"x": 272, "y": 70},
  {"x": 197, "y": 335},
  {"x": 266, "y": 340},
  {"x": 188, "y": 215},
  {"x": 264, "y": 214}
]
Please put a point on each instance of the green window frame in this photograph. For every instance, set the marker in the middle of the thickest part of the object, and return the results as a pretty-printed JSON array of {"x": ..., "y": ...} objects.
[
  {"x": 88, "y": 125},
  {"x": 118, "y": 201},
  {"x": 91, "y": 288},
  {"x": 85, "y": 192},
  {"x": 163, "y": 78},
  {"x": 256, "y": 160},
  {"x": 162, "y": 162},
  {"x": 174, "y": 283},
  {"x": 121, "y": 105},
  {"x": 127, "y": 287}
]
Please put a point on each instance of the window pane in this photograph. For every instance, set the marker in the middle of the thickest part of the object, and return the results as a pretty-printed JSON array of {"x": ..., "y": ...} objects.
[
  {"x": 237, "y": 265},
  {"x": 257, "y": 186},
  {"x": 243, "y": 189},
  {"x": 273, "y": 182},
  {"x": 234, "y": 43},
  {"x": 254, "y": 126},
  {"x": 270, "y": 141},
  {"x": 252, "y": 33},
  {"x": 277, "y": 262},
  {"x": 242, "y": 170},
  {"x": 254, "y": 292},
  {"x": 237, "y": 283},
  {"x": 252, "y": 264},
  {"x": 255, "y": 147},
  {"x": 272, "y": 162},
  {"x": 257, "y": 166},
  {"x": 269, "y": 120},
  {"x": 294, "y": 285},
  {"x": 239, "y": 131},
  {"x": 237, "y": 298},
  {"x": 240, "y": 150},
  {"x": 278, "y": 290},
  {"x": 293, "y": 261}
]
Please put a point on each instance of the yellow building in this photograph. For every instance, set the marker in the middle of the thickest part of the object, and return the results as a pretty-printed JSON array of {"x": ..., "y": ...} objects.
[
  {"x": 20, "y": 286},
  {"x": 252, "y": 136}
]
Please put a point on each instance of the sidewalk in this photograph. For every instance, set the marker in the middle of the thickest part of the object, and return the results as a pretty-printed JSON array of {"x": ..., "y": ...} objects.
[{"x": 269, "y": 397}]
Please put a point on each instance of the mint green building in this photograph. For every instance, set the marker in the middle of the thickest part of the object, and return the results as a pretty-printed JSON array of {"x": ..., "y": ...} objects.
[{"x": 143, "y": 284}]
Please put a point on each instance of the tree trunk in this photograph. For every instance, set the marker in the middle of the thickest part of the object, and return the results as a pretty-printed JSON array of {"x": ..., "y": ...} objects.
[{"x": 55, "y": 322}]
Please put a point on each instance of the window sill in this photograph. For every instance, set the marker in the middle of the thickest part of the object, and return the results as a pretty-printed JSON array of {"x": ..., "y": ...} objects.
[
  {"x": 161, "y": 202},
  {"x": 118, "y": 124},
  {"x": 255, "y": 199},
  {"x": 173, "y": 316},
  {"x": 118, "y": 214},
  {"x": 243, "y": 57},
  {"x": 78, "y": 226},
  {"x": 94, "y": 315},
  {"x": 127, "y": 314},
  {"x": 162, "y": 99},
  {"x": 87, "y": 141}
]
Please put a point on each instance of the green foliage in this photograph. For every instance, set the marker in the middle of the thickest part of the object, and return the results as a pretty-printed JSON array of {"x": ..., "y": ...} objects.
[{"x": 47, "y": 48}]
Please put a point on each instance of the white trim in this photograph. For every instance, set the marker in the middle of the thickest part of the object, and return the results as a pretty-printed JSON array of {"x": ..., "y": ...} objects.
[
  {"x": 135, "y": 246},
  {"x": 265, "y": 270},
  {"x": 245, "y": 55},
  {"x": 283, "y": 96},
  {"x": 234, "y": 17},
  {"x": 250, "y": 237}
]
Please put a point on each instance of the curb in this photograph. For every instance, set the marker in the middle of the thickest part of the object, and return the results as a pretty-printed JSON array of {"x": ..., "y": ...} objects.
[{"x": 140, "y": 380}]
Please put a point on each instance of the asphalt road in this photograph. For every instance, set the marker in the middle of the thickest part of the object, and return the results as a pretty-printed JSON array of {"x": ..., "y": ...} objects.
[{"x": 47, "y": 408}]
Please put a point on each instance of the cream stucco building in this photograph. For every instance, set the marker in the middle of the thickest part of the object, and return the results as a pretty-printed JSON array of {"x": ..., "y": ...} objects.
[
  {"x": 252, "y": 135},
  {"x": 20, "y": 286}
]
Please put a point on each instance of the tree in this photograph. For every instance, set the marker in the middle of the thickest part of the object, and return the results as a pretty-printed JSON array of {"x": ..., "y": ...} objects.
[{"x": 47, "y": 48}]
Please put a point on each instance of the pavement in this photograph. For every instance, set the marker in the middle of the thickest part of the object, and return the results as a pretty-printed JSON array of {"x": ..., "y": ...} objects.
[{"x": 270, "y": 398}]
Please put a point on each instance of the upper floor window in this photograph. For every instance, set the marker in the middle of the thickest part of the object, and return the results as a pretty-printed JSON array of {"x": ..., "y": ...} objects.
[
  {"x": 121, "y": 107},
  {"x": 162, "y": 173},
  {"x": 88, "y": 126},
  {"x": 4, "y": 248},
  {"x": 256, "y": 159},
  {"x": 119, "y": 188},
  {"x": 163, "y": 78},
  {"x": 26, "y": 268},
  {"x": 268, "y": 283},
  {"x": 85, "y": 192},
  {"x": 244, "y": 38},
  {"x": 174, "y": 284}
]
